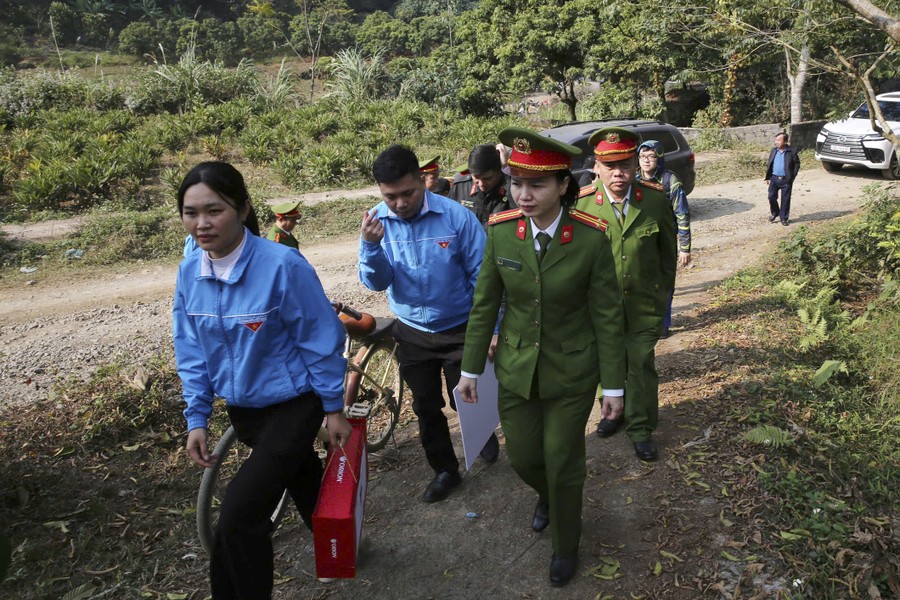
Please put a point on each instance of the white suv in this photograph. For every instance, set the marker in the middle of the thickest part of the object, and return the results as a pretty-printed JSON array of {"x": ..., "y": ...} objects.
[{"x": 853, "y": 142}]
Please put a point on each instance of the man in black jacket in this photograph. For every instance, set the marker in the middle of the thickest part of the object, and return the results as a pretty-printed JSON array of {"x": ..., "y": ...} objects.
[
  {"x": 485, "y": 190},
  {"x": 781, "y": 170}
]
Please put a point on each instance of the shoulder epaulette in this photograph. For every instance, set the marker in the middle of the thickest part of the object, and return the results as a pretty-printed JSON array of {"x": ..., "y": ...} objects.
[
  {"x": 589, "y": 219},
  {"x": 651, "y": 184},
  {"x": 506, "y": 215},
  {"x": 587, "y": 191}
]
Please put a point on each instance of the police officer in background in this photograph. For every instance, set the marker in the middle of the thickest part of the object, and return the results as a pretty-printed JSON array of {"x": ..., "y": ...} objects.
[
  {"x": 560, "y": 335},
  {"x": 485, "y": 190},
  {"x": 431, "y": 174},
  {"x": 287, "y": 215},
  {"x": 642, "y": 232}
]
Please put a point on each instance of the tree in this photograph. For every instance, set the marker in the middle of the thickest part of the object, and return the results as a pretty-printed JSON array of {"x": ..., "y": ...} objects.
[
  {"x": 505, "y": 45},
  {"x": 874, "y": 15},
  {"x": 316, "y": 15}
]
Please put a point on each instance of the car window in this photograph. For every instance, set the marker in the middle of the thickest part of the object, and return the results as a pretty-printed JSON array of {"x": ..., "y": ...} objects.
[
  {"x": 890, "y": 110},
  {"x": 670, "y": 144}
]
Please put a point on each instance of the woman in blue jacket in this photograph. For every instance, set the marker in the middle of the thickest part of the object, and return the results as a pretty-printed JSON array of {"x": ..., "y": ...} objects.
[{"x": 252, "y": 325}]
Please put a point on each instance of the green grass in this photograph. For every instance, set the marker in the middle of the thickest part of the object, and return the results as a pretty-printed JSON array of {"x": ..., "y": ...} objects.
[{"x": 831, "y": 492}]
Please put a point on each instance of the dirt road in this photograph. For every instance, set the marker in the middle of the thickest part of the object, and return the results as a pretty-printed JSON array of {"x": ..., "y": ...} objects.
[{"x": 54, "y": 329}]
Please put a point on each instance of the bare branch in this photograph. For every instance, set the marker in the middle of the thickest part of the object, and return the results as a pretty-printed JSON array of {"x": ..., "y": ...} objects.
[{"x": 874, "y": 15}]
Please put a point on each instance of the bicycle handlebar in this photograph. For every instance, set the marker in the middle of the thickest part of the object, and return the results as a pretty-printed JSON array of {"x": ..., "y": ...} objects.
[{"x": 339, "y": 307}]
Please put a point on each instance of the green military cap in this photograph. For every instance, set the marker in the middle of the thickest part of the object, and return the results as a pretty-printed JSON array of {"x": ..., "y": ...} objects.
[
  {"x": 462, "y": 169},
  {"x": 613, "y": 144},
  {"x": 286, "y": 209},
  {"x": 430, "y": 165},
  {"x": 536, "y": 155}
]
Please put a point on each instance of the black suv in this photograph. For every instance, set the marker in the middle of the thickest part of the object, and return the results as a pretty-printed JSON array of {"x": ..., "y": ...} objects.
[{"x": 679, "y": 156}]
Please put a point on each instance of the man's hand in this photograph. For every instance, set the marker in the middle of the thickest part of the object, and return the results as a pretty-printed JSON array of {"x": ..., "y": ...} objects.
[
  {"x": 372, "y": 230},
  {"x": 197, "y": 448},
  {"x": 492, "y": 349},
  {"x": 767, "y": 182},
  {"x": 339, "y": 429},
  {"x": 612, "y": 407},
  {"x": 468, "y": 389},
  {"x": 684, "y": 258}
]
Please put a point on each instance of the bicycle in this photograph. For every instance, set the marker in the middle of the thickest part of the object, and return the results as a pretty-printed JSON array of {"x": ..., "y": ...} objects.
[{"x": 373, "y": 389}]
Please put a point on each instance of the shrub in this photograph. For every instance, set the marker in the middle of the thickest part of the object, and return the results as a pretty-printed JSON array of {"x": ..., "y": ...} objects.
[
  {"x": 355, "y": 78},
  {"x": 140, "y": 39},
  {"x": 130, "y": 235}
]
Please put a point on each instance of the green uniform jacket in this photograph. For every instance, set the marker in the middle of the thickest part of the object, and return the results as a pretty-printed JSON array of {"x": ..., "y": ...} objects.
[
  {"x": 563, "y": 319},
  {"x": 280, "y": 236},
  {"x": 644, "y": 250}
]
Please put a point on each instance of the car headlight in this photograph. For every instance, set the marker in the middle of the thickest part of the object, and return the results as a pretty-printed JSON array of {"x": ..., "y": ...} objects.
[
  {"x": 873, "y": 137},
  {"x": 824, "y": 132}
]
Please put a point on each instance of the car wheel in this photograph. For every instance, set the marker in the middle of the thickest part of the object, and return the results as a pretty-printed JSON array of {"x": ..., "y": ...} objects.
[
  {"x": 892, "y": 172},
  {"x": 831, "y": 167}
]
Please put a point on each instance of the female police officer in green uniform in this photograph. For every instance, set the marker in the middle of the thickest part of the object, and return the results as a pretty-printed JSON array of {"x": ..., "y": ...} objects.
[{"x": 560, "y": 335}]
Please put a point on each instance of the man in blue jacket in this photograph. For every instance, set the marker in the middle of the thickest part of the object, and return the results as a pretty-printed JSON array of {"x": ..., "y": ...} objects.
[
  {"x": 426, "y": 251},
  {"x": 781, "y": 170}
]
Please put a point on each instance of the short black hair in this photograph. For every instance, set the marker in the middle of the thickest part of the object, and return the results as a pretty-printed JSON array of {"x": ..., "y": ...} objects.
[
  {"x": 227, "y": 182},
  {"x": 484, "y": 158},
  {"x": 394, "y": 163},
  {"x": 784, "y": 133}
]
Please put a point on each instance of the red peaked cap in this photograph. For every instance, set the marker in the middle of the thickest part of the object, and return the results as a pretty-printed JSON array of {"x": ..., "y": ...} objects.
[
  {"x": 612, "y": 144},
  {"x": 536, "y": 155},
  {"x": 430, "y": 165}
]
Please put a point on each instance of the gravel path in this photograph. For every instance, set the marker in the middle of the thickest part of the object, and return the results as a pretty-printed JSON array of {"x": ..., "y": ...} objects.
[{"x": 53, "y": 329}]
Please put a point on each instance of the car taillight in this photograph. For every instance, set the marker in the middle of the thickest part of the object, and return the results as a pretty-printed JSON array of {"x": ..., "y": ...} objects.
[{"x": 691, "y": 157}]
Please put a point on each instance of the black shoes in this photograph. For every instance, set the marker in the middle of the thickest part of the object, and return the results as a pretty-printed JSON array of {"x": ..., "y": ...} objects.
[
  {"x": 785, "y": 222},
  {"x": 541, "y": 516},
  {"x": 562, "y": 569},
  {"x": 606, "y": 428},
  {"x": 664, "y": 334},
  {"x": 772, "y": 218},
  {"x": 645, "y": 450},
  {"x": 440, "y": 486},
  {"x": 491, "y": 450}
]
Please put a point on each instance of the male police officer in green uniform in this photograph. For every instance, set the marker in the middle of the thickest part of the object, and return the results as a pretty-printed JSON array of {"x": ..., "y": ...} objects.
[
  {"x": 560, "y": 335},
  {"x": 431, "y": 175},
  {"x": 642, "y": 232},
  {"x": 286, "y": 216}
]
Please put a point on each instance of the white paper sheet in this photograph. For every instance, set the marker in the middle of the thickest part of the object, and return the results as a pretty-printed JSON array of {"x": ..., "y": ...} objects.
[{"x": 478, "y": 421}]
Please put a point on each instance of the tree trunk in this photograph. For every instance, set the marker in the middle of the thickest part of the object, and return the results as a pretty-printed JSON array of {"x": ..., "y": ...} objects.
[
  {"x": 798, "y": 81},
  {"x": 874, "y": 15}
]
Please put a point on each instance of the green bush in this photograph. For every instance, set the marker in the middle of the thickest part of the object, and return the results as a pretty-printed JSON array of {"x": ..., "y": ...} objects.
[{"x": 130, "y": 235}]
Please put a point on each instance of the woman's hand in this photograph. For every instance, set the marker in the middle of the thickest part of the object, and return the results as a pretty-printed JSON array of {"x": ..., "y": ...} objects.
[
  {"x": 197, "y": 448},
  {"x": 612, "y": 407},
  {"x": 339, "y": 429},
  {"x": 492, "y": 349},
  {"x": 468, "y": 389}
]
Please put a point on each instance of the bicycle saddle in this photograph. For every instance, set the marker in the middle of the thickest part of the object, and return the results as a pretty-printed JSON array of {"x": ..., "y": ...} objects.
[{"x": 358, "y": 327}]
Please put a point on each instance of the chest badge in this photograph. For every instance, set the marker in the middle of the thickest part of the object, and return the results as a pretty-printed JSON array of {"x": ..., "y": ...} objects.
[
  {"x": 254, "y": 326},
  {"x": 443, "y": 244},
  {"x": 566, "y": 236}
]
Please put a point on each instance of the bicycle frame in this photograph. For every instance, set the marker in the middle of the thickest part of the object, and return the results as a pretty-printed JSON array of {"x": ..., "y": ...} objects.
[{"x": 355, "y": 374}]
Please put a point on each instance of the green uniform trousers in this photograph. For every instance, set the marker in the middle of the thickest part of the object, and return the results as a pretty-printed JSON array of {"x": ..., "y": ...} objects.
[
  {"x": 641, "y": 384},
  {"x": 545, "y": 444}
]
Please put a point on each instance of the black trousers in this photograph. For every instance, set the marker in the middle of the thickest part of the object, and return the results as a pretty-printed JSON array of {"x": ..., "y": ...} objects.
[
  {"x": 777, "y": 183},
  {"x": 282, "y": 437},
  {"x": 423, "y": 358}
]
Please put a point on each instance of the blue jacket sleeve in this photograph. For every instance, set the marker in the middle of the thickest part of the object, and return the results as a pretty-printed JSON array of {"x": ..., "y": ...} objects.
[
  {"x": 375, "y": 269},
  {"x": 317, "y": 331},
  {"x": 474, "y": 240},
  {"x": 190, "y": 361}
]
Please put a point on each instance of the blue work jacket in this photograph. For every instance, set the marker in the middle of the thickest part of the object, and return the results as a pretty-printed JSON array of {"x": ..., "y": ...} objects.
[
  {"x": 427, "y": 264},
  {"x": 263, "y": 337}
]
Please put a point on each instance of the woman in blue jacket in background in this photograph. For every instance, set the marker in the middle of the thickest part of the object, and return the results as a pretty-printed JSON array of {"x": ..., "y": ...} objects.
[{"x": 252, "y": 325}]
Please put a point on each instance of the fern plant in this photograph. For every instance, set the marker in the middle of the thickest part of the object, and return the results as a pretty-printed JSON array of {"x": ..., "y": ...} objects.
[{"x": 769, "y": 435}]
